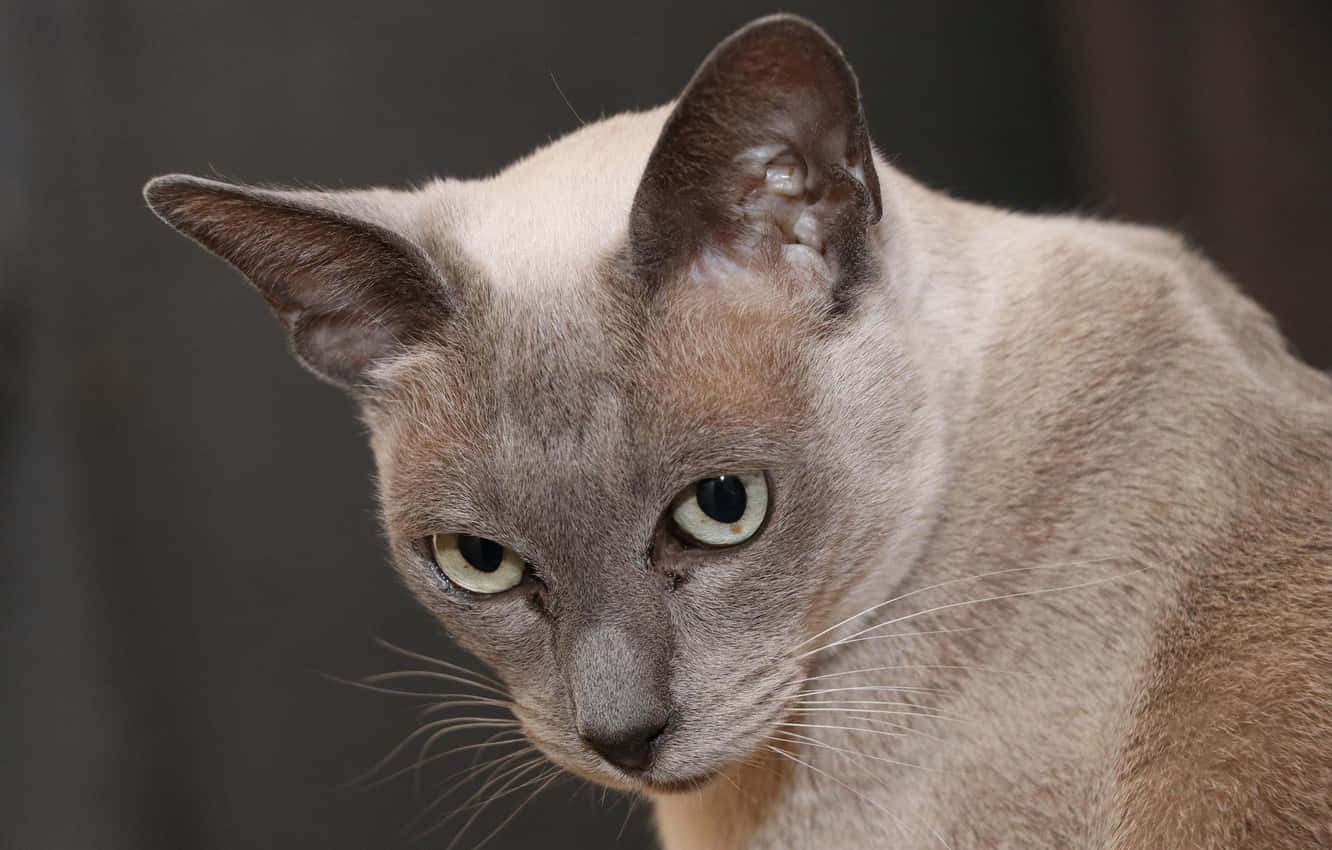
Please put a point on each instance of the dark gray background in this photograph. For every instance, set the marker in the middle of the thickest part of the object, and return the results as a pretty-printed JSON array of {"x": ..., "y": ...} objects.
[{"x": 187, "y": 538}]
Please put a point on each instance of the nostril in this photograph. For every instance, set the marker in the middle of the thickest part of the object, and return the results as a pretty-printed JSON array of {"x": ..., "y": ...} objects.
[{"x": 629, "y": 748}]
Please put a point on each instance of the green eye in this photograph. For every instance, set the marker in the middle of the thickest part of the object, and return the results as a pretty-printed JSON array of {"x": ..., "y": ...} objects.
[
  {"x": 475, "y": 563},
  {"x": 722, "y": 511}
]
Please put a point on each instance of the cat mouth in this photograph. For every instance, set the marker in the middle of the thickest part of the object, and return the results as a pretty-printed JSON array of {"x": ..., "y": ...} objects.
[{"x": 678, "y": 786}]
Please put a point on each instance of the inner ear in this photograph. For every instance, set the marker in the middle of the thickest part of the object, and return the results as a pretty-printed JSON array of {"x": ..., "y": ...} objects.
[
  {"x": 766, "y": 155},
  {"x": 349, "y": 291}
]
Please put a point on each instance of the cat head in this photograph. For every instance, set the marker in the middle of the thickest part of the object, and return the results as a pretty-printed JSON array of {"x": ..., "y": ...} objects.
[{"x": 631, "y": 448}]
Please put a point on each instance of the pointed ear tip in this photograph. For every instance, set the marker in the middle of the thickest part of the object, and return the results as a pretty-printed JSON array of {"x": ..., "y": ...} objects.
[
  {"x": 161, "y": 191},
  {"x": 783, "y": 39},
  {"x": 783, "y": 19},
  {"x": 170, "y": 194},
  {"x": 789, "y": 22},
  {"x": 165, "y": 187}
]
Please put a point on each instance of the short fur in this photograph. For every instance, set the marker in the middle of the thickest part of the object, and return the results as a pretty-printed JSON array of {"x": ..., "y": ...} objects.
[{"x": 1067, "y": 476}]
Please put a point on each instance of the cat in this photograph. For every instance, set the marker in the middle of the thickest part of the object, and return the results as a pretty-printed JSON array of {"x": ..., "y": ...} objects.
[{"x": 823, "y": 509}]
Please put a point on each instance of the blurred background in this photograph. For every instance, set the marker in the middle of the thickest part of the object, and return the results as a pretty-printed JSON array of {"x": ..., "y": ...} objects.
[{"x": 187, "y": 535}]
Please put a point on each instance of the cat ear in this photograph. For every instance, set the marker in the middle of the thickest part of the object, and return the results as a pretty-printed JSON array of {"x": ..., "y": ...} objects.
[
  {"x": 766, "y": 152},
  {"x": 349, "y": 290}
]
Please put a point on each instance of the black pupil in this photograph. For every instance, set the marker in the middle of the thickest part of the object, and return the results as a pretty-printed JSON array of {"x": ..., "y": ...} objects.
[
  {"x": 722, "y": 498},
  {"x": 484, "y": 555}
]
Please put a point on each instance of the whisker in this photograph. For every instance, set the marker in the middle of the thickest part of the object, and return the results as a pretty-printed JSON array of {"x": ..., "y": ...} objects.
[
  {"x": 460, "y": 779},
  {"x": 856, "y": 699},
  {"x": 928, "y": 716},
  {"x": 480, "y": 702},
  {"x": 514, "y": 774},
  {"x": 420, "y": 763},
  {"x": 912, "y": 634},
  {"x": 432, "y": 674},
  {"x": 463, "y": 700},
  {"x": 554, "y": 775},
  {"x": 904, "y": 728},
  {"x": 507, "y": 776},
  {"x": 629, "y": 813},
  {"x": 906, "y": 689},
  {"x": 897, "y": 820},
  {"x": 448, "y": 665},
  {"x": 947, "y": 583},
  {"x": 367, "y": 686},
  {"x": 430, "y": 742},
  {"x": 480, "y": 807},
  {"x": 915, "y": 666},
  {"x": 733, "y": 783},
  {"x": 477, "y": 757},
  {"x": 854, "y": 638},
  {"x": 1018, "y": 594},
  {"x": 846, "y": 728},
  {"x": 465, "y": 723},
  {"x": 824, "y": 744}
]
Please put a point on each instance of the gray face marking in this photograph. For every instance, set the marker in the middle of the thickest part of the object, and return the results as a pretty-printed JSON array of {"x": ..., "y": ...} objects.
[{"x": 579, "y": 433}]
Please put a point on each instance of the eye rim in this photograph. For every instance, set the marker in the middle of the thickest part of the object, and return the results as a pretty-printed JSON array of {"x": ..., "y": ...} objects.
[
  {"x": 688, "y": 540},
  {"x": 509, "y": 558}
]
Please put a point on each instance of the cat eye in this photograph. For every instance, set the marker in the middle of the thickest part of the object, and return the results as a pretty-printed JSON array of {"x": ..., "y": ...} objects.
[
  {"x": 476, "y": 563},
  {"x": 721, "y": 511}
]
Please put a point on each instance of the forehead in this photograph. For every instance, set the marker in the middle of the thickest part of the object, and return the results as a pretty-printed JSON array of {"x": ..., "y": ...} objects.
[
  {"x": 539, "y": 224},
  {"x": 555, "y": 380},
  {"x": 538, "y": 400}
]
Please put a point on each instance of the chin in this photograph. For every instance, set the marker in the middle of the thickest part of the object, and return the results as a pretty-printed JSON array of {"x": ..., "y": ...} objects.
[
  {"x": 667, "y": 785},
  {"x": 679, "y": 766},
  {"x": 653, "y": 781},
  {"x": 656, "y": 780}
]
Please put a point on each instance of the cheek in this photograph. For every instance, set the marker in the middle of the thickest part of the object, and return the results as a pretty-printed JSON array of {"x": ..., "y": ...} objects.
[
  {"x": 828, "y": 537},
  {"x": 506, "y": 635},
  {"x": 732, "y": 672},
  {"x": 746, "y": 611},
  {"x": 509, "y": 638},
  {"x": 735, "y": 623}
]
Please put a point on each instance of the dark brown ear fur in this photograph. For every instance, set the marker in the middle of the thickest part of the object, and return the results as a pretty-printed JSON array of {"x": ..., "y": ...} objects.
[
  {"x": 767, "y": 147},
  {"x": 348, "y": 291}
]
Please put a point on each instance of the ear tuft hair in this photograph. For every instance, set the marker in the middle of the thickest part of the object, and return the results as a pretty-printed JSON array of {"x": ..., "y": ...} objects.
[{"x": 767, "y": 150}]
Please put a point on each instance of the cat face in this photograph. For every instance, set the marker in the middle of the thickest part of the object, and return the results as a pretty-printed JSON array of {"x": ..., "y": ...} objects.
[
  {"x": 573, "y": 457},
  {"x": 613, "y": 399}
]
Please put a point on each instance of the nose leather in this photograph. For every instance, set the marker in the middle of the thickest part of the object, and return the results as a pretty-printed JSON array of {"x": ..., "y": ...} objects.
[{"x": 629, "y": 748}]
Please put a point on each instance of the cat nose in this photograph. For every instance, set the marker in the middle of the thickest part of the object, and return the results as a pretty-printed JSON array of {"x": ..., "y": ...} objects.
[
  {"x": 619, "y": 682},
  {"x": 629, "y": 748}
]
